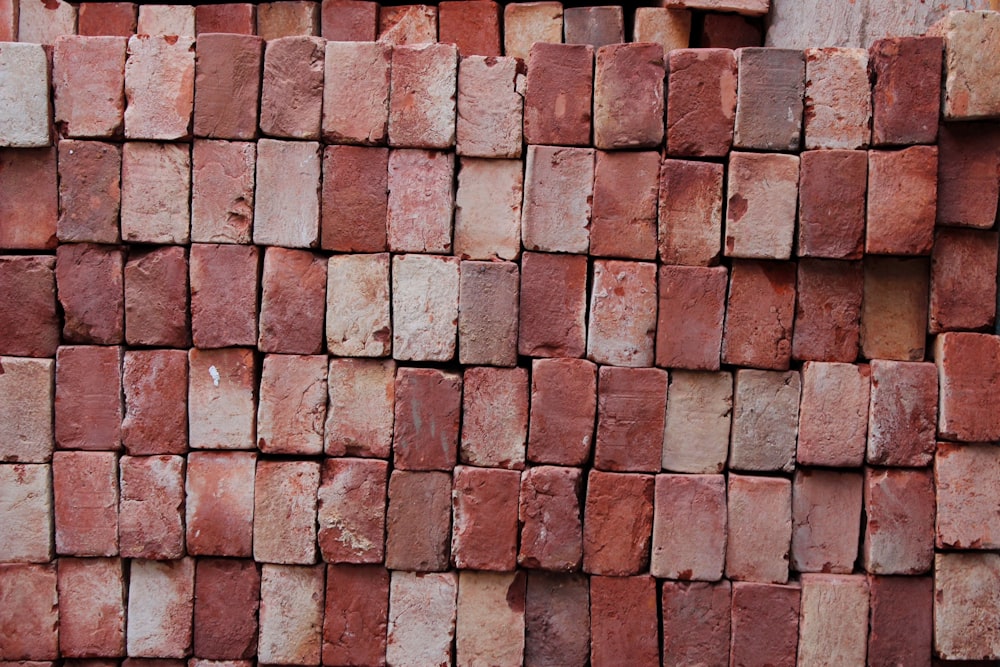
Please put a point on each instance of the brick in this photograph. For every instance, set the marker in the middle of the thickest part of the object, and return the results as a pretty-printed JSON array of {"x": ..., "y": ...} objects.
[
  {"x": 425, "y": 292},
  {"x": 696, "y": 618},
  {"x": 422, "y": 612},
  {"x": 156, "y": 189},
  {"x": 894, "y": 308},
  {"x": 628, "y": 93},
  {"x": 89, "y": 191},
  {"x": 902, "y": 199},
  {"x": 965, "y": 477},
  {"x": 292, "y": 406},
  {"x": 292, "y": 88},
  {"x": 963, "y": 280},
  {"x": 494, "y": 417},
  {"x": 221, "y": 398},
  {"x": 33, "y": 332},
  {"x": 902, "y": 419},
  {"x": 770, "y": 98},
  {"x": 623, "y": 620},
  {"x": 226, "y": 599},
  {"x": 759, "y": 312},
  {"x": 698, "y": 420},
  {"x": 351, "y": 512},
  {"x": 286, "y": 208},
  {"x": 558, "y": 94},
  {"x": 765, "y": 420},
  {"x": 690, "y": 212},
  {"x": 160, "y": 608},
  {"x": 838, "y": 104},
  {"x": 525, "y": 23},
  {"x": 166, "y": 20},
  {"x": 291, "y": 614},
  {"x": 159, "y": 87},
  {"x": 276, "y": 20},
  {"x": 91, "y": 607},
  {"x": 357, "y": 305},
  {"x": 549, "y": 512},
  {"x": 490, "y": 618},
  {"x": 828, "y": 310},
  {"x": 224, "y": 281},
  {"x": 356, "y": 92},
  {"x": 30, "y": 199},
  {"x": 557, "y": 619},
  {"x": 967, "y": 66},
  {"x": 618, "y": 519},
  {"x": 293, "y": 302},
  {"x": 234, "y": 18},
  {"x": 968, "y": 158},
  {"x": 487, "y": 313},
  {"x": 88, "y": 75},
  {"x": 558, "y": 196},
  {"x": 760, "y": 212},
  {"x": 760, "y": 529},
  {"x": 88, "y": 402},
  {"x": 965, "y": 604},
  {"x": 349, "y": 20},
  {"x": 27, "y": 387},
  {"x": 408, "y": 24},
  {"x": 219, "y": 491},
  {"x": 222, "y": 188},
  {"x": 896, "y": 603},
  {"x": 151, "y": 513},
  {"x": 622, "y": 313},
  {"x": 85, "y": 490},
  {"x": 826, "y": 510},
  {"x": 284, "y": 516},
  {"x": 631, "y": 404},
  {"x": 421, "y": 201},
  {"x": 107, "y": 18},
  {"x": 490, "y": 103},
  {"x": 765, "y": 624},
  {"x": 746, "y": 7},
  {"x": 427, "y": 413},
  {"x": 29, "y": 620},
  {"x": 624, "y": 205},
  {"x": 418, "y": 522},
  {"x": 596, "y": 26},
  {"x": 691, "y": 310},
  {"x": 968, "y": 374},
  {"x": 25, "y": 513},
  {"x": 834, "y": 618},
  {"x": 39, "y": 23},
  {"x": 422, "y": 96},
  {"x": 90, "y": 286},
  {"x": 156, "y": 297},
  {"x": 899, "y": 521},
  {"x": 832, "y": 188},
  {"x": 484, "y": 516},
  {"x": 670, "y": 28},
  {"x": 563, "y": 409},
  {"x": 359, "y": 416},
  {"x": 356, "y": 614},
  {"x": 730, "y": 31},
  {"x": 227, "y": 85},
  {"x": 701, "y": 108},
  {"x": 689, "y": 527},
  {"x": 355, "y": 199},
  {"x": 474, "y": 29},
  {"x": 833, "y": 416},
  {"x": 907, "y": 79},
  {"x": 25, "y": 120}
]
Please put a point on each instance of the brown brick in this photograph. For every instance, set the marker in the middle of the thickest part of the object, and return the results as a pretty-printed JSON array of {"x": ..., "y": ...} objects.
[
  {"x": 89, "y": 191},
  {"x": 227, "y": 85},
  {"x": 27, "y": 386},
  {"x": 351, "y": 512},
  {"x": 623, "y": 621},
  {"x": 622, "y": 313},
  {"x": 222, "y": 190},
  {"x": 563, "y": 409},
  {"x": 963, "y": 280},
  {"x": 894, "y": 308},
  {"x": 628, "y": 94},
  {"x": 88, "y": 403},
  {"x": 902, "y": 200},
  {"x": 292, "y": 88},
  {"x": 670, "y": 28},
  {"x": 85, "y": 491},
  {"x": 424, "y": 84},
  {"x": 418, "y": 521},
  {"x": 898, "y": 603},
  {"x": 968, "y": 159},
  {"x": 284, "y": 516},
  {"x": 833, "y": 415},
  {"x": 689, "y": 527},
  {"x": 769, "y": 93},
  {"x": 91, "y": 607},
  {"x": 902, "y": 420},
  {"x": 88, "y": 79},
  {"x": 359, "y": 416},
  {"x": 428, "y": 410},
  {"x": 525, "y": 23},
  {"x": 826, "y": 511},
  {"x": 631, "y": 403},
  {"x": 617, "y": 520},
  {"x": 558, "y": 94},
  {"x": 151, "y": 512},
  {"x": 744, "y": 7},
  {"x": 624, "y": 208},
  {"x": 690, "y": 212},
  {"x": 107, "y": 18},
  {"x": 730, "y": 31},
  {"x": 91, "y": 292},
  {"x": 221, "y": 396},
  {"x": 765, "y": 624},
  {"x": 701, "y": 107},
  {"x": 899, "y": 521},
  {"x": 828, "y": 310},
  {"x": 765, "y": 420},
  {"x": 691, "y": 310},
  {"x": 759, "y": 312},
  {"x": 484, "y": 510},
  {"x": 356, "y": 614},
  {"x": 557, "y": 619},
  {"x": 231, "y": 17},
  {"x": 487, "y": 313},
  {"x": 29, "y": 619},
  {"x": 696, "y": 619},
  {"x": 349, "y": 20},
  {"x": 760, "y": 529},
  {"x": 549, "y": 512},
  {"x": 407, "y": 24},
  {"x": 907, "y": 81},
  {"x": 596, "y": 26},
  {"x": 224, "y": 294},
  {"x": 355, "y": 199},
  {"x": 219, "y": 490},
  {"x": 473, "y": 28},
  {"x": 287, "y": 425},
  {"x": 494, "y": 417},
  {"x": 287, "y": 19},
  {"x": 553, "y": 304},
  {"x": 293, "y": 302},
  {"x": 832, "y": 187},
  {"x": 28, "y": 199},
  {"x": 226, "y": 599},
  {"x": 760, "y": 212}
]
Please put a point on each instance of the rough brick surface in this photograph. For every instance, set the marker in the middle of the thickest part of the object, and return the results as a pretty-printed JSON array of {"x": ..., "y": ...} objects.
[
  {"x": 833, "y": 618},
  {"x": 698, "y": 420},
  {"x": 837, "y": 98},
  {"x": 631, "y": 404},
  {"x": 421, "y": 200},
  {"x": 292, "y": 88},
  {"x": 623, "y": 622},
  {"x": 292, "y": 406},
  {"x": 617, "y": 520},
  {"x": 227, "y": 85},
  {"x": 284, "y": 517},
  {"x": 166, "y": 20},
  {"x": 357, "y": 314},
  {"x": 765, "y": 420},
  {"x": 897, "y": 602},
  {"x": 490, "y": 103},
  {"x": 29, "y": 206},
  {"x": 356, "y": 614},
  {"x": 827, "y": 310},
  {"x": 902, "y": 200},
  {"x": 226, "y": 600},
  {"x": 558, "y": 93},
  {"x": 360, "y": 411},
  {"x": 407, "y": 24},
  {"x": 894, "y": 308},
  {"x": 221, "y": 398},
  {"x": 89, "y": 191},
  {"x": 349, "y": 20},
  {"x": 224, "y": 281},
  {"x": 760, "y": 212},
  {"x": 88, "y": 402},
  {"x": 689, "y": 322},
  {"x": 701, "y": 107},
  {"x": 696, "y": 621},
  {"x": 690, "y": 212},
  {"x": 287, "y": 19},
  {"x": 689, "y": 527},
  {"x": 286, "y": 205},
  {"x": 527, "y": 23},
  {"x": 151, "y": 515},
  {"x": 27, "y": 387},
  {"x": 622, "y": 313},
  {"x": 905, "y": 95},
  {"x": 24, "y": 122},
  {"x": 833, "y": 415},
  {"x": 832, "y": 187},
  {"x": 965, "y": 519},
  {"x": 552, "y": 306},
  {"x": 624, "y": 209},
  {"x": 85, "y": 503},
  {"x": 549, "y": 512},
  {"x": 759, "y": 314},
  {"x": 765, "y": 624},
  {"x": 968, "y": 156},
  {"x": 963, "y": 280},
  {"x": 628, "y": 95},
  {"x": 355, "y": 199},
  {"x": 968, "y": 374},
  {"x": 88, "y": 79},
  {"x": 160, "y": 608},
  {"x": 899, "y": 521},
  {"x": 965, "y": 603},
  {"x": 484, "y": 511},
  {"x": 968, "y": 66},
  {"x": 26, "y": 513},
  {"x": 293, "y": 302},
  {"x": 557, "y": 619},
  {"x": 563, "y": 409},
  {"x": 487, "y": 313},
  {"x": 488, "y": 209},
  {"x": 558, "y": 199},
  {"x": 596, "y": 26},
  {"x": 418, "y": 522},
  {"x": 490, "y": 619},
  {"x": 425, "y": 291},
  {"x": 232, "y": 17},
  {"x": 90, "y": 286},
  {"x": 769, "y": 99},
  {"x": 760, "y": 529},
  {"x": 107, "y": 18},
  {"x": 291, "y": 614},
  {"x": 156, "y": 189},
  {"x": 826, "y": 510},
  {"x": 422, "y": 612},
  {"x": 87, "y": 586},
  {"x": 494, "y": 417},
  {"x": 423, "y": 88},
  {"x": 29, "y": 619},
  {"x": 219, "y": 495},
  {"x": 351, "y": 511},
  {"x": 159, "y": 87},
  {"x": 428, "y": 411},
  {"x": 156, "y": 297},
  {"x": 356, "y": 92},
  {"x": 902, "y": 419},
  {"x": 474, "y": 29}
]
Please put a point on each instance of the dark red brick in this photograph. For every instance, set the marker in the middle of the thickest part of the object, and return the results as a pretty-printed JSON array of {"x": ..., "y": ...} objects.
[
  {"x": 349, "y": 20},
  {"x": 235, "y": 18},
  {"x": 765, "y": 624},
  {"x": 557, "y": 620},
  {"x": 692, "y": 305},
  {"x": 29, "y": 198},
  {"x": 596, "y": 26},
  {"x": 901, "y": 627},
  {"x": 155, "y": 384},
  {"x": 227, "y": 85},
  {"x": 631, "y": 407},
  {"x": 617, "y": 523},
  {"x": 428, "y": 409},
  {"x": 95, "y": 19},
  {"x": 293, "y": 302},
  {"x": 549, "y": 512},
  {"x": 623, "y": 621},
  {"x": 91, "y": 293},
  {"x": 696, "y": 618},
  {"x": 701, "y": 106},
  {"x": 471, "y": 25},
  {"x": 156, "y": 297},
  {"x": 963, "y": 280},
  {"x": 226, "y": 599},
  {"x": 967, "y": 182},
  {"x": 484, "y": 507},
  {"x": 832, "y": 187},
  {"x": 356, "y": 615},
  {"x": 418, "y": 521},
  {"x": 558, "y": 94},
  {"x": 624, "y": 205},
  {"x": 88, "y": 404},
  {"x": 828, "y": 310},
  {"x": 563, "y": 409},
  {"x": 906, "y": 72},
  {"x": 351, "y": 512},
  {"x": 89, "y": 191},
  {"x": 355, "y": 199},
  {"x": 553, "y": 304},
  {"x": 224, "y": 294},
  {"x": 759, "y": 315}
]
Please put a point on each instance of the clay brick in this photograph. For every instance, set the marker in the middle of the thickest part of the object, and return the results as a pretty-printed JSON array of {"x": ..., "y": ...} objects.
[
  {"x": 156, "y": 189},
  {"x": 107, "y": 18},
  {"x": 623, "y": 622},
  {"x": 165, "y": 20},
  {"x": 27, "y": 387},
  {"x": 558, "y": 94},
  {"x": 759, "y": 314},
  {"x": 698, "y": 420},
  {"x": 356, "y": 92},
  {"x": 490, "y": 619},
  {"x": 219, "y": 491},
  {"x": 907, "y": 79},
  {"x": 234, "y": 18},
  {"x": 421, "y": 200},
  {"x": 276, "y": 20},
  {"x": 291, "y": 614},
  {"x": 966, "y": 589},
  {"x": 967, "y": 68},
  {"x": 487, "y": 313},
  {"x": 227, "y": 86},
  {"x": 730, "y": 31},
  {"x": 618, "y": 518},
  {"x": 628, "y": 93},
  {"x": 427, "y": 413},
  {"x": 549, "y": 512},
  {"x": 902, "y": 419},
  {"x": 901, "y": 602},
  {"x": 490, "y": 103},
  {"x": 293, "y": 302},
  {"x": 484, "y": 514},
  {"x": 151, "y": 511},
  {"x": 690, "y": 212},
  {"x": 25, "y": 514},
  {"x": 88, "y": 78},
  {"x": 968, "y": 160},
  {"x": 357, "y": 306},
  {"x": 760, "y": 529},
  {"x": 351, "y": 513},
  {"x": 828, "y": 310},
  {"x": 691, "y": 310},
  {"x": 425, "y": 292},
  {"x": 91, "y": 607},
  {"x": 769, "y": 99},
  {"x": 473, "y": 28},
  {"x": 968, "y": 375},
  {"x": 29, "y": 619},
  {"x": 689, "y": 527},
  {"x": 833, "y": 416},
  {"x": 226, "y": 599},
  {"x": 286, "y": 207},
  {"x": 624, "y": 205},
  {"x": 832, "y": 187},
  {"x": 349, "y": 20},
  {"x": 89, "y": 191},
  {"x": 747, "y": 7},
  {"x": 902, "y": 200},
  {"x": 284, "y": 516},
  {"x": 422, "y": 96},
  {"x": 899, "y": 521},
  {"x": 765, "y": 420},
  {"x": 494, "y": 417},
  {"x": 963, "y": 280},
  {"x": 160, "y": 608},
  {"x": 90, "y": 286},
  {"x": 525, "y": 23},
  {"x": 631, "y": 404},
  {"x": 894, "y": 308},
  {"x": 355, "y": 199},
  {"x": 421, "y": 625},
  {"x": 833, "y": 619},
  {"x": 670, "y": 28},
  {"x": 838, "y": 106},
  {"x": 159, "y": 87},
  {"x": 85, "y": 490},
  {"x": 596, "y": 26},
  {"x": 696, "y": 618},
  {"x": 221, "y": 398},
  {"x": 557, "y": 619},
  {"x": 41, "y": 23},
  {"x": 292, "y": 407},
  {"x": 356, "y": 614},
  {"x": 701, "y": 107},
  {"x": 359, "y": 416},
  {"x": 224, "y": 294},
  {"x": 558, "y": 195},
  {"x": 563, "y": 409},
  {"x": 222, "y": 188},
  {"x": 407, "y": 24},
  {"x": 88, "y": 402},
  {"x": 826, "y": 510},
  {"x": 32, "y": 332},
  {"x": 26, "y": 116},
  {"x": 965, "y": 477},
  {"x": 622, "y": 313},
  {"x": 760, "y": 212},
  {"x": 418, "y": 522},
  {"x": 765, "y": 624},
  {"x": 292, "y": 88},
  {"x": 28, "y": 199}
]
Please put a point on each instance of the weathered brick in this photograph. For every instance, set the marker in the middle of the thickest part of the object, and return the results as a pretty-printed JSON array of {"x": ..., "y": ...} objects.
[
  {"x": 689, "y": 527},
  {"x": 165, "y": 20},
  {"x": 357, "y": 294},
  {"x": 760, "y": 212},
  {"x": 292, "y": 406},
  {"x": 222, "y": 176},
  {"x": 631, "y": 404},
  {"x": 968, "y": 159},
  {"x": 29, "y": 618},
  {"x": 696, "y": 618},
  {"x": 689, "y": 321},
  {"x": 287, "y": 19},
  {"x": 159, "y": 87},
  {"x": 558, "y": 196},
  {"x": 355, "y": 199},
  {"x": 557, "y": 619},
  {"x": 617, "y": 520},
  {"x": 769, "y": 98},
  {"x": 623, "y": 621},
  {"x": 474, "y": 29},
  {"x": 747, "y": 7},
  {"x": 826, "y": 511},
  {"x": 907, "y": 81},
  {"x": 219, "y": 499},
  {"x": 349, "y": 20},
  {"x": 525, "y": 23},
  {"x": 494, "y": 417},
  {"x": 628, "y": 94},
  {"x": 41, "y": 23},
  {"x": 160, "y": 608},
  {"x": 765, "y": 420},
  {"x": 88, "y": 402},
  {"x": 407, "y": 24},
  {"x": 902, "y": 419},
  {"x": 27, "y": 387},
  {"x": 968, "y": 377},
  {"x": 484, "y": 513},
  {"x": 968, "y": 67},
  {"x": 701, "y": 107},
  {"x": 293, "y": 302},
  {"x": 151, "y": 513},
  {"x": 558, "y": 93},
  {"x": 286, "y": 205},
  {"x": 487, "y": 313},
  {"x": 759, "y": 313},
  {"x": 425, "y": 292},
  {"x": 29, "y": 202},
  {"x": 898, "y": 603},
  {"x": 226, "y": 600},
  {"x": 239, "y": 18},
  {"x": 26, "y": 513},
  {"x": 423, "y": 88},
  {"x": 833, "y": 619},
  {"x": 698, "y": 420},
  {"x": 418, "y": 522},
  {"x": 965, "y": 478},
  {"x": 963, "y": 291},
  {"x": 89, "y": 191},
  {"x": 833, "y": 416},
  {"x": 107, "y": 18},
  {"x": 899, "y": 521},
  {"x": 32, "y": 332},
  {"x": 765, "y": 624},
  {"x": 356, "y": 92},
  {"x": 563, "y": 409},
  {"x": 284, "y": 517},
  {"x": 832, "y": 187},
  {"x": 549, "y": 512},
  {"x": 291, "y": 613},
  {"x": 427, "y": 414},
  {"x": 838, "y": 105},
  {"x": 670, "y": 28},
  {"x": 966, "y": 599},
  {"x": 490, "y": 102},
  {"x": 690, "y": 212},
  {"x": 827, "y": 310},
  {"x": 624, "y": 205},
  {"x": 356, "y": 613},
  {"x": 26, "y": 116},
  {"x": 622, "y": 313},
  {"x": 90, "y": 286},
  {"x": 421, "y": 200},
  {"x": 421, "y": 625},
  {"x": 760, "y": 529},
  {"x": 894, "y": 308},
  {"x": 224, "y": 294},
  {"x": 227, "y": 85},
  {"x": 221, "y": 398},
  {"x": 85, "y": 503},
  {"x": 902, "y": 200},
  {"x": 490, "y": 619},
  {"x": 88, "y": 79},
  {"x": 351, "y": 512},
  {"x": 292, "y": 88},
  {"x": 91, "y": 607},
  {"x": 359, "y": 416},
  {"x": 156, "y": 189},
  {"x": 596, "y": 26},
  {"x": 488, "y": 209}
]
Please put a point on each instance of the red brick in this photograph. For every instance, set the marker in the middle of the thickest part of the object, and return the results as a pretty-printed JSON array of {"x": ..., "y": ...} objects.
[
  {"x": 765, "y": 624},
  {"x": 291, "y": 614},
  {"x": 27, "y": 117},
  {"x": 670, "y": 28},
  {"x": 624, "y": 208},
  {"x": 759, "y": 313},
  {"x": 293, "y": 302},
  {"x": 89, "y": 191},
  {"x": 907, "y": 79},
  {"x": 730, "y": 31},
  {"x": 969, "y": 376},
  {"x": 558, "y": 94},
  {"x": 494, "y": 417},
  {"x": 221, "y": 395},
  {"x": 159, "y": 87},
  {"x": 156, "y": 191},
  {"x": 418, "y": 521},
  {"x": 107, "y": 18},
  {"x": 490, "y": 619},
  {"x": 29, "y": 617},
  {"x": 828, "y": 310},
  {"x": 701, "y": 107},
  {"x": 421, "y": 200},
  {"x": 233, "y": 18},
  {"x": 902, "y": 200},
  {"x": 968, "y": 67},
  {"x": 407, "y": 24},
  {"x": 747, "y": 7},
  {"x": 91, "y": 293},
  {"x": 901, "y": 628},
  {"x": 596, "y": 26},
  {"x": 968, "y": 161},
  {"x": 563, "y": 409},
  {"x": 833, "y": 416},
  {"x": 833, "y": 619},
  {"x": 770, "y": 88},
  {"x": 358, "y": 320},
  {"x": 826, "y": 511},
  {"x": 292, "y": 88},
  {"x": 166, "y": 20},
  {"x": 549, "y": 512},
  {"x": 631, "y": 404},
  {"x": 558, "y": 195},
  {"x": 284, "y": 516},
  {"x": 902, "y": 420},
  {"x": 287, "y": 19},
  {"x": 553, "y": 304},
  {"x": 690, "y": 212},
  {"x": 28, "y": 199},
  {"x": 765, "y": 420},
  {"x": 696, "y": 619},
  {"x": 26, "y": 513},
  {"x": 227, "y": 85},
  {"x": 351, "y": 513},
  {"x": 838, "y": 106},
  {"x": 356, "y": 92},
  {"x": 484, "y": 510},
  {"x": 356, "y": 614},
  {"x": 85, "y": 491},
  {"x": 623, "y": 621},
  {"x": 286, "y": 204},
  {"x": 760, "y": 529},
  {"x": 689, "y": 528},
  {"x": 473, "y": 28},
  {"x": 219, "y": 503},
  {"x": 421, "y": 628},
  {"x": 691, "y": 310},
  {"x": 894, "y": 308},
  {"x": 698, "y": 422},
  {"x": 355, "y": 199},
  {"x": 222, "y": 191},
  {"x": 224, "y": 294},
  {"x": 622, "y": 313},
  {"x": 156, "y": 297},
  {"x": 151, "y": 519},
  {"x": 963, "y": 280},
  {"x": 27, "y": 386},
  {"x": 88, "y": 404},
  {"x": 359, "y": 416},
  {"x": 490, "y": 105},
  {"x": 349, "y": 20},
  {"x": 832, "y": 187},
  {"x": 88, "y": 79},
  {"x": 617, "y": 523},
  {"x": 422, "y": 96},
  {"x": 428, "y": 410},
  {"x": 226, "y": 598},
  {"x": 557, "y": 619},
  {"x": 965, "y": 478},
  {"x": 966, "y": 589},
  {"x": 487, "y": 313},
  {"x": 760, "y": 212},
  {"x": 525, "y": 23},
  {"x": 628, "y": 94},
  {"x": 899, "y": 521},
  {"x": 91, "y": 607}
]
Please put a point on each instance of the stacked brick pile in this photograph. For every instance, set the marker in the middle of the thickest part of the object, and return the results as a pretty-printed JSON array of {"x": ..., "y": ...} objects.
[{"x": 317, "y": 351}]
